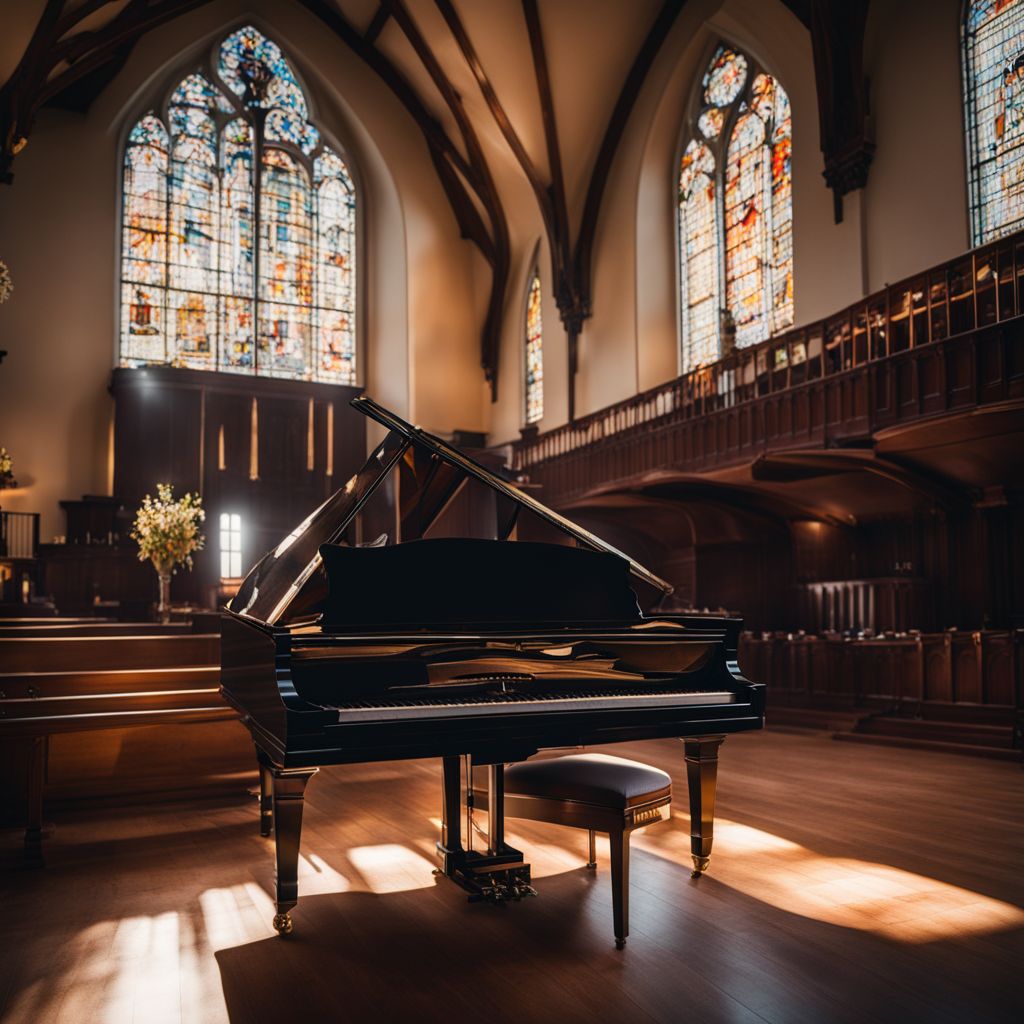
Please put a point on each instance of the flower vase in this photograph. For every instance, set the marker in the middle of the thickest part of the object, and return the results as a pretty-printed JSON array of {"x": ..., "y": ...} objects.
[{"x": 163, "y": 608}]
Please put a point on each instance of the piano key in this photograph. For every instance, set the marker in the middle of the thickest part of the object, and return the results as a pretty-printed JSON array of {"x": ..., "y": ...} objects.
[{"x": 514, "y": 703}]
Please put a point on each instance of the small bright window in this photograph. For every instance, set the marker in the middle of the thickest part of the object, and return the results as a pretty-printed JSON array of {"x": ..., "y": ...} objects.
[
  {"x": 534, "y": 353},
  {"x": 230, "y": 545}
]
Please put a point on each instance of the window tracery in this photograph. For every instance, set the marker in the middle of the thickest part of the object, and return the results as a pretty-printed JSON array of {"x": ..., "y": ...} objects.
[
  {"x": 735, "y": 212},
  {"x": 225, "y": 266}
]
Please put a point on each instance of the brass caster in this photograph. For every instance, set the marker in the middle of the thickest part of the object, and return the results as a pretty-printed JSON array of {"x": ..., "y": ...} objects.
[
  {"x": 700, "y": 865},
  {"x": 283, "y": 924},
  {"x": 620, "y": 943}
]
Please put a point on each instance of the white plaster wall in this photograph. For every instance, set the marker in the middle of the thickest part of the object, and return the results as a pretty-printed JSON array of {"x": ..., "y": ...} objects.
[{"x": 916, "y": 198}]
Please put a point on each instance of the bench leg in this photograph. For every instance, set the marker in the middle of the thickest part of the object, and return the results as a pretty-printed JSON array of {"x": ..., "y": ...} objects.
[
  {"x": 34, "y": 817},
  {"x": 592, "y": 848},
  {"x": 619, "y": 843},
  {"x": 289, "y": 789},
  {"x": 701, "y": 778}
]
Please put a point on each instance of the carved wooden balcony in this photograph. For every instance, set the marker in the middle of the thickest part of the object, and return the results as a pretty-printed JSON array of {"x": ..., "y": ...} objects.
[{"x": 942, "y": 343}]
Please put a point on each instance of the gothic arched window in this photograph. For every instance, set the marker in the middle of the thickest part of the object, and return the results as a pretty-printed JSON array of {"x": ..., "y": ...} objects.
[
  {"x": 223, "y": 268},
  {"x": 735, "y": 212},
  {"x": 534, "y": 352},
  {"x": 993, "y": 54}
]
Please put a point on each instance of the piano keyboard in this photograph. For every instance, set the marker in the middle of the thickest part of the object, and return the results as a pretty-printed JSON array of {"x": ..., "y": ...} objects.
[{"x": 523, "y": 703}]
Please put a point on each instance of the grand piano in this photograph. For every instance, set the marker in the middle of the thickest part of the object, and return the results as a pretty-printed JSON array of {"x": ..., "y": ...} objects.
[{"x": 346, "y": 646}]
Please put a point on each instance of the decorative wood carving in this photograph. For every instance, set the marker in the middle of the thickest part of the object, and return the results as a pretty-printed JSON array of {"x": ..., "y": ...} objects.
[{"x": 837, "y": 37}]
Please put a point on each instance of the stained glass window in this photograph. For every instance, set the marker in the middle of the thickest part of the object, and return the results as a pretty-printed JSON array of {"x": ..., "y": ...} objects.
[
  {"x": 698, "y": 229},
  {"x": 208, "y": 280},
  {"x": 993, "y": 37},
  {"x": 534, "y": 352},
  {"x": 735, "y": 211}
]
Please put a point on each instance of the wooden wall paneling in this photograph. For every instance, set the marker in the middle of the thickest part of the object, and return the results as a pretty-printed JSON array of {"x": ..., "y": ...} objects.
[
  {"x": 998, "y": 670},
  {"x": 938, "y": 667},
  {"x": 228, "y": 417},
  {"x": 990, "y": 367},
  {"x": 1014, "y": 361},
  {"x": 909, "y": 402},
  {"x": 880, "y": 377},
  {"x": 967, "y": 667},
  {"x": 931, "y": 383},
  {"x": 156, "y": 438},
  {"x": 960, "y": 364},
  {"x": 77, "y": 575},
  {"x": 160, "y": 413}
]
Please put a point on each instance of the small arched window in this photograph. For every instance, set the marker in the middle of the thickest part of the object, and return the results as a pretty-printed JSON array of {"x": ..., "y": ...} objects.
[
  {"x": 224, "y": 268},
  {"x": 993, "y": 58},
  {"x": 735, "y": 211},
  {"x": 534, "y": 365}
]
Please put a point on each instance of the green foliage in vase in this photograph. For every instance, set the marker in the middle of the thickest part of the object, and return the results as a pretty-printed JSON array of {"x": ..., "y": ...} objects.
[{"x": 167, "y": 529}]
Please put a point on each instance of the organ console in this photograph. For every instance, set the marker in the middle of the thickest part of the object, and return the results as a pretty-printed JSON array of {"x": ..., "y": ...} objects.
[{"x": 480, "y": 650}]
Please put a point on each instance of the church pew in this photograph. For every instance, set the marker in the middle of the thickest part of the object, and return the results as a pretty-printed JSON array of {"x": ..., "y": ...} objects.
[
  {"x": 54, "y": 687},
  {"x": 17, "y": 628}
]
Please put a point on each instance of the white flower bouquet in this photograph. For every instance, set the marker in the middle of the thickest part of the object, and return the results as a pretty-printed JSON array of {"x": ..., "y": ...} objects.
[{"x": 167, "y": 529}]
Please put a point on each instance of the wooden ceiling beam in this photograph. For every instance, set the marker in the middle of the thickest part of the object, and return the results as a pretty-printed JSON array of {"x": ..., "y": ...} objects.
[
  {"x": 376, "y": 26},
  {"x": 494, "y": 104},
  {"x": 86, "y": 54}
]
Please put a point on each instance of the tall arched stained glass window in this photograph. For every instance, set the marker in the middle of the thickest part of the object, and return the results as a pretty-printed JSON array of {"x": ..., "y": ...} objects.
[
  {"x": 735, "y": 211},
  {"x": 238, "y": 237},
  {"x": 534, "y": 352},
  {"x": 993, "y": 36}
]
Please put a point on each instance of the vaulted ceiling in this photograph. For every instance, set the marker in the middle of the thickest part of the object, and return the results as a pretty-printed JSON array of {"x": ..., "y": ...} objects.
[{"x": 484, "y": 82}]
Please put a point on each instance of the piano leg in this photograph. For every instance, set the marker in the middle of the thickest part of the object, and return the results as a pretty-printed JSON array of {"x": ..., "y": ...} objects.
[
  {"x": 289, "y": 787},
  {"x": 701, "y": 778},
  {"x": 266, "y": 798}
]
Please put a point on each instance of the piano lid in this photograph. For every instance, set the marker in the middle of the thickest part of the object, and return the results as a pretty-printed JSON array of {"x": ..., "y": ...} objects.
[{"x": 432, "y": 473}]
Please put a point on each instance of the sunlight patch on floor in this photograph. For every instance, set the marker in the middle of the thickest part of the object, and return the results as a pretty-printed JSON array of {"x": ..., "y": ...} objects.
[
  {"x": 391, "y": 867},
  {"x": 900, "y": 905},
  {"x": 317, "y": 877}
]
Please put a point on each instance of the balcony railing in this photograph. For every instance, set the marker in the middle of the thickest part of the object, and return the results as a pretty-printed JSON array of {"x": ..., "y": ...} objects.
[
  {"x": 19, "y": 534},
  {"x": 924, "y": 346}
]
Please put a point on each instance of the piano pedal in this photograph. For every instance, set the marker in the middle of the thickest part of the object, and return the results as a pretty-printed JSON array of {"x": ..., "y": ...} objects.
[{"x": 496, "y": 886}]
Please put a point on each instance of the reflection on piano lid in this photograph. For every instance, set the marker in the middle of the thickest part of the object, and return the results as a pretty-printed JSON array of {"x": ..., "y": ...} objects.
[{"x": 288, "y": 584}]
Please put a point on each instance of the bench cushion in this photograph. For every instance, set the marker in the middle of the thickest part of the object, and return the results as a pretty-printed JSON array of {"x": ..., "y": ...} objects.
[{"x": 588, "y": 778}]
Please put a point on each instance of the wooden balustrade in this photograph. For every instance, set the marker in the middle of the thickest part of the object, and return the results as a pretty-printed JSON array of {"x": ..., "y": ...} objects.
[
  {"x": 984, "y": 668},
  {"x": 945, "y": 341},
  {"x": 897, "y": 603}
]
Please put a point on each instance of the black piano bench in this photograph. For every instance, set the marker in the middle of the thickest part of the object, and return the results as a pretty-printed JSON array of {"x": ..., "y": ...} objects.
[{"x": 599, "y": 793}]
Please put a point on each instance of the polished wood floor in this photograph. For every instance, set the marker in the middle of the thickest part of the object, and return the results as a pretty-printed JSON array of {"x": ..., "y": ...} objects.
[{"x": 848, "y": 883}]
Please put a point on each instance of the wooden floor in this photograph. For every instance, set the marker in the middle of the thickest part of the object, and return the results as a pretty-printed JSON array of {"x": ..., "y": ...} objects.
[{"x": 848, "y": 883}]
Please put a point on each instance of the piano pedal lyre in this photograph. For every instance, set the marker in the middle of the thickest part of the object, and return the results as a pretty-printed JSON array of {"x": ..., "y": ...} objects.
[{"x": 498, "y": 875}]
